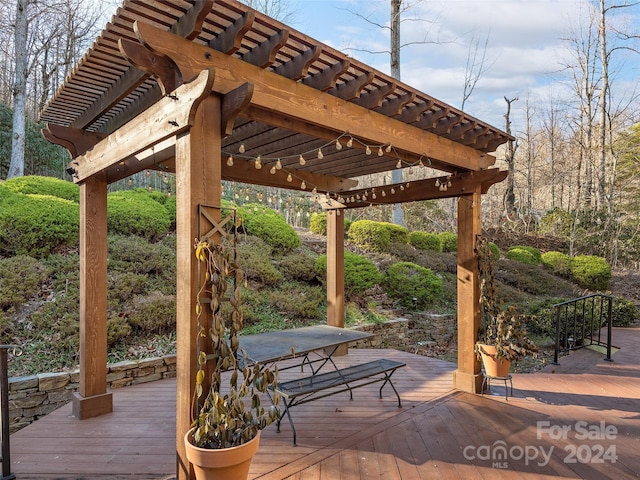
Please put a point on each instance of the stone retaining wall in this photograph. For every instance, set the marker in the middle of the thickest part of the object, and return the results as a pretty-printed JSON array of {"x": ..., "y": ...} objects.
[{"x": 34, "y": 396}]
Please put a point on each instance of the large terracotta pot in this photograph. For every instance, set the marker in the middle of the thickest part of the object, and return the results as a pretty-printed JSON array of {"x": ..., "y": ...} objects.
[
  {"x": 494, "y": 366},
  {"x": 221, "y": 464}
]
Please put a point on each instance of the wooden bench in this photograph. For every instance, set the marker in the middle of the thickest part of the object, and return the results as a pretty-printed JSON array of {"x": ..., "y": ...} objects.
[{"x": 313, "y": 387}]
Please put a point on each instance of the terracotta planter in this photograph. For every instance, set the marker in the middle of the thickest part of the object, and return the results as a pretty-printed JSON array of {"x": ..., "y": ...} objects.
[
  {"x": 493, "y": 366},
  {"x": 221, "y": 464}
]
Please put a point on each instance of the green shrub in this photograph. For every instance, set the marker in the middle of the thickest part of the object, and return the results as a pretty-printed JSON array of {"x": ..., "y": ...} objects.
[
  {"x": 557, "y": 263},
  {"x": 270, "y": 226},
  {"x": 397, "y": 233},
  {"x": 360, "y": 274},
  {"x": 523, "y": 255},
  {"x": 34, "y": 184},
  {"x": 255, "y": 260},
  {"x": 117, "y": 329},
  {"x": 425, "y": 241},
  {"x": 415, "y": 287},
  {"x": 135, "y": 212},
  {"x": 37, "y": 225},
  {"x": 136, "y": 255},
  {"x": 591, "y": 272},
  {"x": 154, "y": 314},
  {"x": 318, "y": 223},
  {"x": 20, "y": 279},
  {"x": 299, "y": 301},
  {"x": 624, "y": 313},
  {"x": 298, "y": 265},
  {"x": 370, "y": 235},
  {"x": 63, "y": 271},
  {"x": 495, "y": 251},
  {"x": 449, "y": 241}
]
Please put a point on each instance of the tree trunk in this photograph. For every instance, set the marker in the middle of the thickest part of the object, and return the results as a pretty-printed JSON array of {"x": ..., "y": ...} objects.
[
  {"x": 16, "y": 167},
  {"x": 396, "y": 175},
  {"x": 509, "y": 194}
]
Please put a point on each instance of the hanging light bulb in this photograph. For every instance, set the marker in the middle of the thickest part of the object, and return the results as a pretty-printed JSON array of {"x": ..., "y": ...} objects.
[
  {"x": 402, "y": 188},
  {"x": 384, "y": 194},
  {"x": 367, "y": 150},
  {"x": 380, "y": 152},
  {"x": 350, "y": 142},
  {"x": 303, "y": 185},
  {"x": 388, "y": 149},
  {"x": 393, "y": 191},
  {"x": 230, "y": 161},
  {"x": 449, "y": 182},
  {"x": 407, "y": 184},
  {"x": 241, "y": 149},
  {"x": 437, "y": 182},
  {"x": 420, "y": 164},
  {"x": 314, "y": 191},
  {"x": 337, "y": 213},
  {"x": 289, "y": 178},
  {"x": 273, "y": 170},
  {"x": 150, "y": 188},
  {"x": 147, "y": 173},
  {"x": 302, "y": 160},
  {"x": 399, "y": 164},
  {"x": 338, "y": 145},
  {"x": 373, "y": 195},
  {"x": 278, "y": 164},
  {"x": 258, "y": 163},
  {"x": 130, "y": 182},
  {"x": 320, "y": 154}
]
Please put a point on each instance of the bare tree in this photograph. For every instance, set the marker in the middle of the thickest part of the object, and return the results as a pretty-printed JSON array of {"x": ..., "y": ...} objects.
[
  {"x": 509, "y": 194},
  {"x": 475, "y": 67},
  {"x": 281, "y": 10}
]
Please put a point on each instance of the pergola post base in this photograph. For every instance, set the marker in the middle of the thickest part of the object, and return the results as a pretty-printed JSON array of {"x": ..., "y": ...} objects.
[
  {"x": 467, "y": 382},
  {"x": 94, "y": 406}
]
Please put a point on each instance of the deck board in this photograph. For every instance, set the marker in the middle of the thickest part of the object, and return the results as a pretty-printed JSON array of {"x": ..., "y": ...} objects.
[{"x": 368, "y": 437}]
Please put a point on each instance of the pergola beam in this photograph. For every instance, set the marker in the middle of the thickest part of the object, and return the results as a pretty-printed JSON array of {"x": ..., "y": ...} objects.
[{"x": 283, "y": 102}]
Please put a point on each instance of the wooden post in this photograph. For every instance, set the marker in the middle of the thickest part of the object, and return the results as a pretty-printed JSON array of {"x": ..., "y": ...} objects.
[
  {"x": 335, "y": 272},
  {"x": 468, "y": 377},
  {"x": 198, "y": 169},
  {"x": 92, "y": 398},
  {"x": 335, "y": 268}
]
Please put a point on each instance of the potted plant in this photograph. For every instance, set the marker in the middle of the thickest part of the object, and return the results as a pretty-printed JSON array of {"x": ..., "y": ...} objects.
[
  {"x": 227, "y": 420},
  {"x": 503, "y": 334}
]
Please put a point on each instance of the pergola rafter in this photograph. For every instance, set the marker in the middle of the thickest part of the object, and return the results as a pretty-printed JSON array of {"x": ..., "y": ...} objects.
[{"x": 180, "y": 86}]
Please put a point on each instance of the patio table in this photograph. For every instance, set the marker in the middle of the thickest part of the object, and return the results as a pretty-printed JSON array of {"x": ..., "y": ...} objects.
[{"x": 320, "y": 340}]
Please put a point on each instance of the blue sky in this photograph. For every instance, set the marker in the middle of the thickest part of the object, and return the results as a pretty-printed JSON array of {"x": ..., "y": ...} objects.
[{"x": 526, "y": 51}]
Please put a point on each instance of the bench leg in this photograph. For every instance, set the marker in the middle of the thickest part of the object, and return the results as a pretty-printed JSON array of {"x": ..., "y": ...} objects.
[
  {"x": 387, "y": 379},
  {"x": 293, "y": 428}
]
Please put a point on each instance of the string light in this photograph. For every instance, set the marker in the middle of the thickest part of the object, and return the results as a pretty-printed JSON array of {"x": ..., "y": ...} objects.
[
  {"x": 289, "y": 178},
  {"x": 399, "y": 164},
  {"x": 380, "y": 152},
  {"x": 320, "y": 154},
  {"x": 303, "y": 185},
  {"x": 273, "y": 170},
  {"x": 338, "y": 144},
  {"x": 350, "y": 142},
  {"x": 302, "y": 160},
  {"x": 241, "y": 149},
  {"x": 258, "y": 163},
  {"x": 368, "y": 150},
  {"x": 230, "y": 161},
  {"x": 278, "y": 165}
]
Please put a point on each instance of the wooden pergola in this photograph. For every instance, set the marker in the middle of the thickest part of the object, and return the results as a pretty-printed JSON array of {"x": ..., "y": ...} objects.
[{"x": 181, "y": 86}]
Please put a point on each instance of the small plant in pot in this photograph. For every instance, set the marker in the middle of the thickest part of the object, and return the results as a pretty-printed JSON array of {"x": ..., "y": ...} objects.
[
  {"x": 227, "y": 419},
  {"x": 503, "y": 334}
]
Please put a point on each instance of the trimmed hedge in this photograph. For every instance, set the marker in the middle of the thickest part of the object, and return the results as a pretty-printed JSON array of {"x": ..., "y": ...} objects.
[
  {"x": 135, "y": 212},
  {"x": 318, "y": 223},
  {"x": 524, "y": 254},
  {"x": 557, "y": 263},
  {"x": 591, "y": 272},
  {"x": 360, "y": 274},
  {"x": 39, "y": 185},
  {"x": 397, "y": 233},
  {"x": 449, "y": 241},
  {"x": 255, "y": 261},
  {"x": 270, "y": 226},
  {"x": 36, "y": 225},
  {"x": 370, "y": 235},
  {"x": 425, "y": 241},
  {"x": 415, "y": 287}
]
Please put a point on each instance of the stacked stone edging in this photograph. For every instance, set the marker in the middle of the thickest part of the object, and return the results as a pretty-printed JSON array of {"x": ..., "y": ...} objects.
[{"x": 34, "y": 396}]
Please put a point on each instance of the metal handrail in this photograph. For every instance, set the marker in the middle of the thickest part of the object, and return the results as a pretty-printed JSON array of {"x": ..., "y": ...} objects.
[
  {"x": 4, "y": 409},
  {"x": 582, "y": 319}
]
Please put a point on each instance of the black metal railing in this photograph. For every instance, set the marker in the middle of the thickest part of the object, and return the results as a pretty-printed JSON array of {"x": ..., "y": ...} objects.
[
  {"x": 4, "y": 407},
  {"x": 580, "y": 322}
]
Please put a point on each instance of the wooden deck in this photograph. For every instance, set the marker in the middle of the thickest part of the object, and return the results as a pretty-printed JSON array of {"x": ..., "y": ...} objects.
[{"x": 438, "y": 433}]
